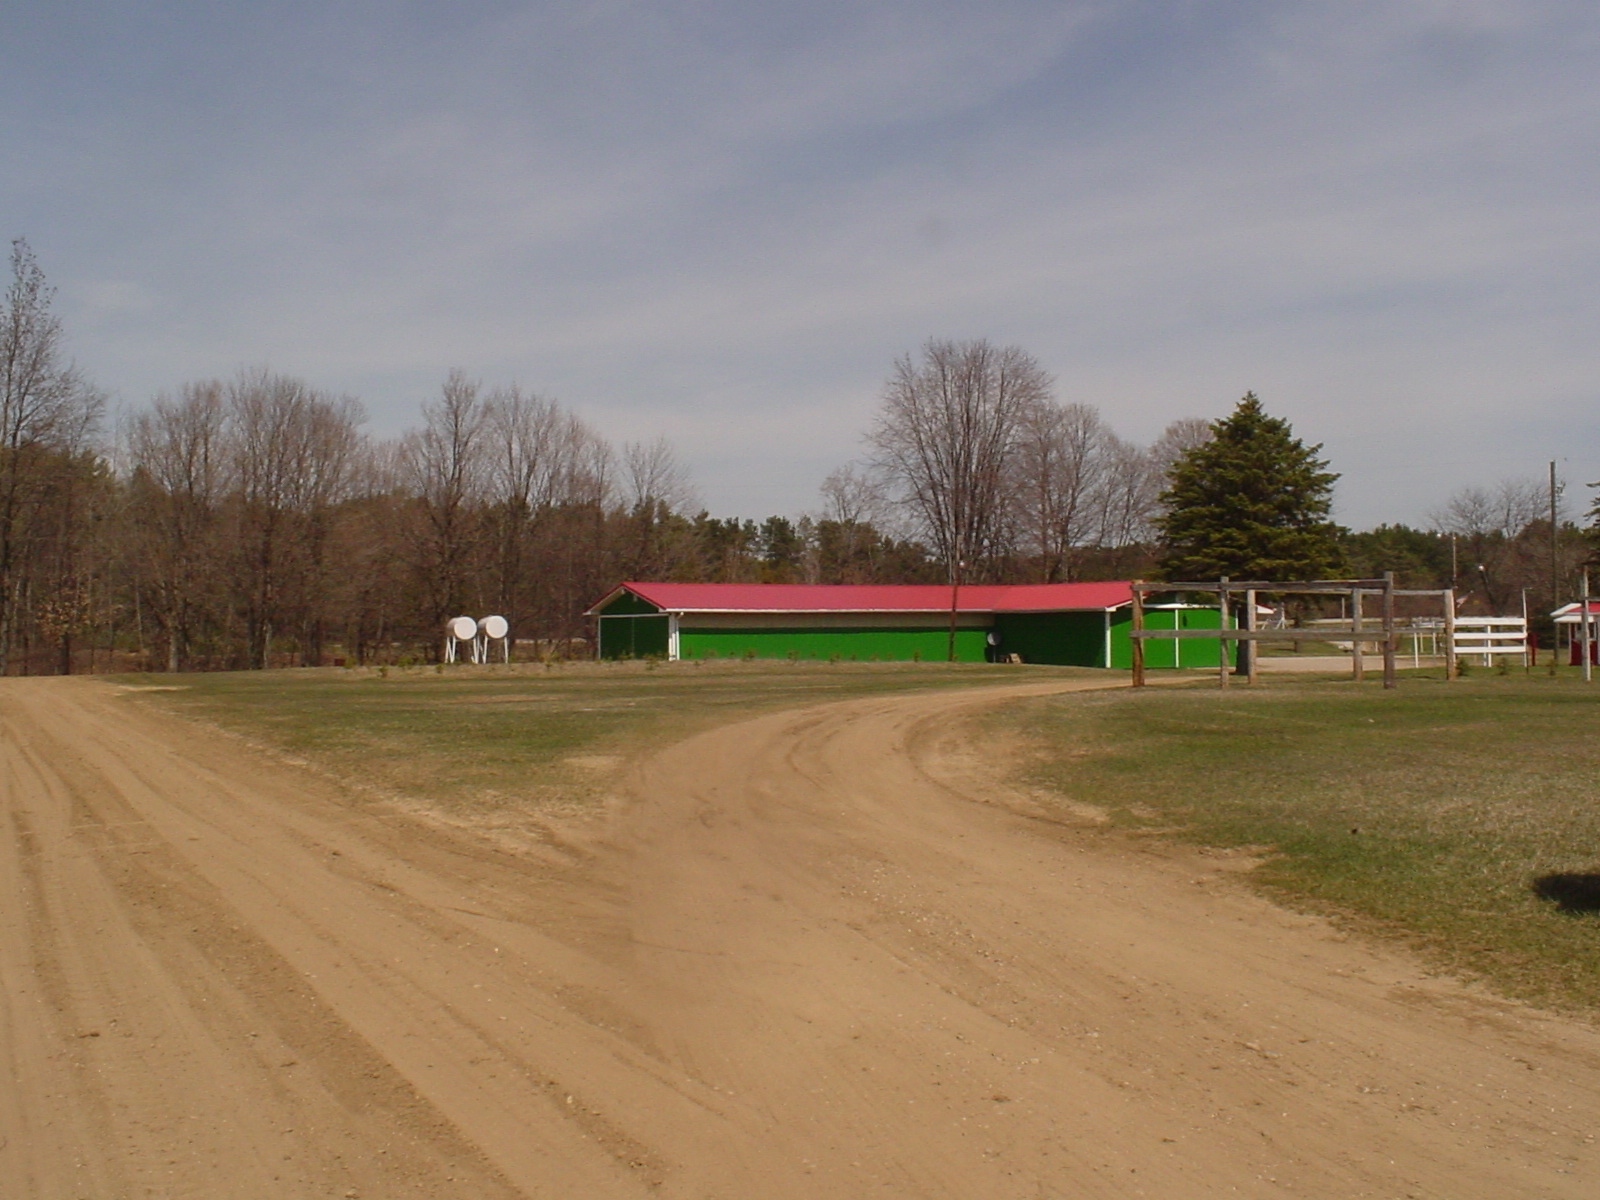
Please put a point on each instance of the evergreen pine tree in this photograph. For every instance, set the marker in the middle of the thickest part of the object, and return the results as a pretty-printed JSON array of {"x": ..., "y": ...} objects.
[{"x": 1252, "y": 503}]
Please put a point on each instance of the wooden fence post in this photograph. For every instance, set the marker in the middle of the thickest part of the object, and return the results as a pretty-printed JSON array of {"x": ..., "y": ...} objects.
[
  {"x": 1451, "y": 668},
  {"x": 1251, "y": 645},
  {"x": 1138, "y": 627},
  {"x": 1222, "y": 628},
  {"x": 1583, "y": 615},
  {"x": 1358, "y": 660},
  {"x": 1389, "y": 635}
]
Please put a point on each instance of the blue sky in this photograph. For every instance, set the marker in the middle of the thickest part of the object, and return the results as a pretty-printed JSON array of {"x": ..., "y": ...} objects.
[{"x": 722, "y": 222}]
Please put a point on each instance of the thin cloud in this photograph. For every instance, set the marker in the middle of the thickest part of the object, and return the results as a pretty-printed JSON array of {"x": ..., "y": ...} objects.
[{"x": 723, "y": 223}]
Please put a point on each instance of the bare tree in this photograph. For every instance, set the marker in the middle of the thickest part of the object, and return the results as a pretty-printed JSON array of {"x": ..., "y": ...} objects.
[
  {"x": 1128, "y": 496},
  {"x": 1177, "y": 439},
  {"x": 444, "y": 469},
  {"x": 1060, "y": 466},
  {"x": 851, "y": 496},
  {"x": 293, "y": 453},
  {"x": 575, "y": 542},
  {"x": 263, "y": 410},
  {"x": 1505, "y": 510},
  {"x": 588, "y": 467},
  {"x": 657, "y": 492},
  {"x": 522, "y": 442},
  {"x": 179, "y": 464},
  {"x": 1503, "y": 539},
  {"x": 843, "y": 541},
  {"x": 546, "y": 470},
  {"x": 522, "y": 435},
  {"x": 47, "y": 412},
  {"x": 383, "y": 469},
  {"x": 653, "y": 476},
  {"x": 945, "y": 432},
  {"x": 330, "y": 453}
]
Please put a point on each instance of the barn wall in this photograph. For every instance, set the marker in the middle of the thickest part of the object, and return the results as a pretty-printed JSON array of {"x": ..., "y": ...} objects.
[
  {"x": 1063, "y": 639},
  {"x": 634, "y": 636},
  {"x": 1199, "y": 653},
  {"x": 850, "y": 645},
  {"x": 842, "y": 621},
  {"x": 626, "y": 603}
]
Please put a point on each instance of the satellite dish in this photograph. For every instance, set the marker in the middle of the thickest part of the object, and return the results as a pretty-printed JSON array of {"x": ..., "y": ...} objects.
[
  {"x": 993, "y": 639},
  {"x": 494, "y": 627},
  {"x": 463, "y": 629}
]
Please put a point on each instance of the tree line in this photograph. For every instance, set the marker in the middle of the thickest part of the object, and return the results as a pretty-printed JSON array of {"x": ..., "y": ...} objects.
[
  {"x": 1005, "y": 483},
  {"x": 249, "y": 522}
]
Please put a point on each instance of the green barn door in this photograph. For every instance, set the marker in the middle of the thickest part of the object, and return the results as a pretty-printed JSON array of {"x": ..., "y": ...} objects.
[{"x": 635, "y": 637}]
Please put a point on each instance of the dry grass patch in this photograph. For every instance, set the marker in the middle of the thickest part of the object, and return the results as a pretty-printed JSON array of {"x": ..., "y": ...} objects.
[
  {"x": 1463, "y": 817},
  {"x": 471, "y": 741}
]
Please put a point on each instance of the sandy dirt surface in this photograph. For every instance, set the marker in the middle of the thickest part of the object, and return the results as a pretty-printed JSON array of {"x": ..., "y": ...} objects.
[
  {"x": 808, "y": 956},
  {"x": 1339, "y": 664},
  {"x": 1320, "y": 664}
]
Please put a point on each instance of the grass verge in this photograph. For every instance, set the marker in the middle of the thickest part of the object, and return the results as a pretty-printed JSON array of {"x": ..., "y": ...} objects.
[
  {"x": 1462, "y": 817},
  {"x": 471, "y": 740}
]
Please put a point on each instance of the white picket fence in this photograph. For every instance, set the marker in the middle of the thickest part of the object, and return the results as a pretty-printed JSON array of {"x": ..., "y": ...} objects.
[
  {"x": 1489, "y": 637},
  {"x": 1482, "y": 638}
]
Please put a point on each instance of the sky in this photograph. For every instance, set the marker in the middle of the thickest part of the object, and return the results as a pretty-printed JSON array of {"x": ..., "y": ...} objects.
[{"x": 722, "y": 223}]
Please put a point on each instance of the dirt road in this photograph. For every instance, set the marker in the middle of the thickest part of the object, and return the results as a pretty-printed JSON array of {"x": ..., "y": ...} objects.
[{"x": 807, "y": 960}]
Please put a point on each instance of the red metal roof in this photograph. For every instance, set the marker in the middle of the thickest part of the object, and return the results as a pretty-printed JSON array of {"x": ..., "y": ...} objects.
[
  {"x": 916, "y": 597},
  {"x": 1571, "y": 610}
]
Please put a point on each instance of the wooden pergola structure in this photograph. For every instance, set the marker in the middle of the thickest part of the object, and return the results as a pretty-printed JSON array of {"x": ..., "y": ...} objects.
[{"x": 1355, "y": 590}]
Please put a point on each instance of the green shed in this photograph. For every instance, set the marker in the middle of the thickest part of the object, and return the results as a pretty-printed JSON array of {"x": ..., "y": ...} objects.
[{"x": 1065, "y": 624}]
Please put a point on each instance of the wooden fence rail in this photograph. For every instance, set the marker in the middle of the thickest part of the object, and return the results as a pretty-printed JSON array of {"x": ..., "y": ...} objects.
[{"x": 1355, "y": 631}]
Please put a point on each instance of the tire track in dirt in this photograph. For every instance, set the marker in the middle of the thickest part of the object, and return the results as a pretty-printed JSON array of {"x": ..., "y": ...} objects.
[{"x": 812, "y": 958}]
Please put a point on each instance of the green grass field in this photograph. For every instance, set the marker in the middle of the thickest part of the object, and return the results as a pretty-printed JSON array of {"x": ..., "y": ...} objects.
[
  {"x": 1430, "y": 812},
  {"x": 474, "y": 739}
]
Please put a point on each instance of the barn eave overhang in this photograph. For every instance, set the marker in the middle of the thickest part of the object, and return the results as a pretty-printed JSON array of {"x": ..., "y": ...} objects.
[{"x": 622, "y": 589}]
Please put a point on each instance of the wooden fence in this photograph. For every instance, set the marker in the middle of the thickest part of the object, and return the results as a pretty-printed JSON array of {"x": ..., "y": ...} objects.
[{"x": 1354, "y": 629}]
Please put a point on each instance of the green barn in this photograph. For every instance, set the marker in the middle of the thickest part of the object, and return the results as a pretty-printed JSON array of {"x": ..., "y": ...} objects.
[{"x": 1065, "y": 624}]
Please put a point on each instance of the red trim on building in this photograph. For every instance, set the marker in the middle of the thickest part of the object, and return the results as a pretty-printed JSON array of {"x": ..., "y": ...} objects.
[{"x": 1571, "y": 610}]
